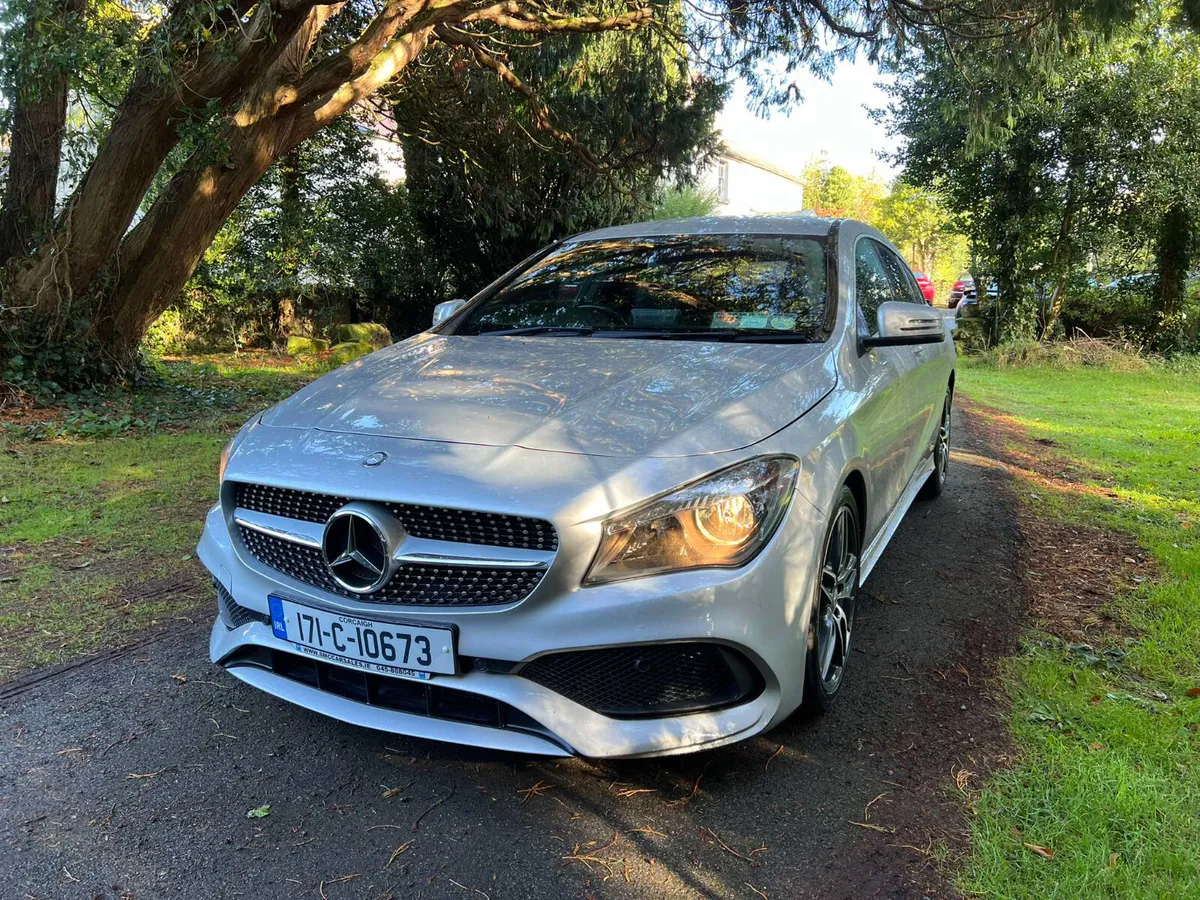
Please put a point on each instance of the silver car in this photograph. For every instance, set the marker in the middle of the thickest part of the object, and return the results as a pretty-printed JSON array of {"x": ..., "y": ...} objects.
[{"x": 618, "y": 504}]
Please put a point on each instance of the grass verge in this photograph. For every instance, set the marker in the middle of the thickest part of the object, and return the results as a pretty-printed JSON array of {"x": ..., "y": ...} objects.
[
  {"x": 1105, "y": 796},
  {"x": 102, "y": 501}
]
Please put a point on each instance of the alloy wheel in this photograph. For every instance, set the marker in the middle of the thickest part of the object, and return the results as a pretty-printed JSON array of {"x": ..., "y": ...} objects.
[
  {"x": 943, "y": 442},
  {"x": 839, "y": 596}
]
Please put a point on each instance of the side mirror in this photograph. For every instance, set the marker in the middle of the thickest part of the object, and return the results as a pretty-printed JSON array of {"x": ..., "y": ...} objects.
[
  {"x": 906, "y": 324},
  {"x": 443, "y": 311}
]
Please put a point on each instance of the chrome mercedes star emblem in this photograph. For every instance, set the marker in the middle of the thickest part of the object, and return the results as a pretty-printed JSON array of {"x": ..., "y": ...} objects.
[
  {"x": 375, "y": 459},
  {"x": 357, "y": 550}
]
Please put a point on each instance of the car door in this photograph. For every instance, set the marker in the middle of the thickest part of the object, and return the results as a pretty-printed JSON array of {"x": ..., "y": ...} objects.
[
  {"x": 929, "y": 376},
  {"x": 883, "y": 422}
]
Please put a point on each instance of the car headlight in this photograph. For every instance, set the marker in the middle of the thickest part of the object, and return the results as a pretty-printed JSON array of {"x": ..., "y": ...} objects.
[
  {"x": 224, "y": 463},
  {"x": 227, "y": 450},
  {"x": 721, "y": 520}
]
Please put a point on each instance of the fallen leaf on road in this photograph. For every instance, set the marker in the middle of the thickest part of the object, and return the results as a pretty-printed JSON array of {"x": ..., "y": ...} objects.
[
  {"x": 1040, "y": 851},
  {"x": 259, "y": 812},
  {"x": 536, "y": 791},
  {"x": 182, "y": 679},
  {"x": 874, "y": 827},
  {"x": 397, "y": 852}
]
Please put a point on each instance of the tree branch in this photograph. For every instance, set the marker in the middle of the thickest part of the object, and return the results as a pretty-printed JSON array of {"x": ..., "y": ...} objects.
[
  {"x": 541, "y": 112},
  {"x": 508, "y": 15}
]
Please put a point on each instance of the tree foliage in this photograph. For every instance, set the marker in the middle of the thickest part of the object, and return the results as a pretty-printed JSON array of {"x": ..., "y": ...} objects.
[
  {"x": 487, "y": 189},
  {"x": 1095, "y": 174},
  {"x": 212, "y": 94}
]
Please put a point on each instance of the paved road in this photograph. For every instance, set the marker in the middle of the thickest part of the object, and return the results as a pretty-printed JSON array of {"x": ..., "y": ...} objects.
[{"x": 132, "y": 776}]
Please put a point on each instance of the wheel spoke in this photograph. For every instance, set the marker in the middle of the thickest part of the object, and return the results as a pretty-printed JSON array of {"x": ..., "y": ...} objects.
[
  {"x": 825, "y": 648},
  {"x": 841, "y": 628},
  {"x": 848, "y": 578}
]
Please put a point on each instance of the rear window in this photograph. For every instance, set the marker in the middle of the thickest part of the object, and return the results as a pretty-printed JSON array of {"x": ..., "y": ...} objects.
[{"x": 671, "y": 285}]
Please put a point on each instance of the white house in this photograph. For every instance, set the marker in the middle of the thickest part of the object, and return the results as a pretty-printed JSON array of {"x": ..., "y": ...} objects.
[{"x": 747, "y": 184}]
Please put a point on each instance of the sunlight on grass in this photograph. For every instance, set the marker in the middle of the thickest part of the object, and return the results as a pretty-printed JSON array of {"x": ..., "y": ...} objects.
[
  {"x": 97, "y": 531},
  {"x": 1109, "y": 779}
]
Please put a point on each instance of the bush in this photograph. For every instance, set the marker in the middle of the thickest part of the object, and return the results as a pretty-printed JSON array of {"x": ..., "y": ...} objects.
[
  {"x": 685, "y": 202},
  {"x": 1114, "y": 355},
  {"x": 305, "y": 346},
  {"x": 167, "y": 335},
  {"x": 348, "y": 350},
  {"x": 377, "y": 336}
]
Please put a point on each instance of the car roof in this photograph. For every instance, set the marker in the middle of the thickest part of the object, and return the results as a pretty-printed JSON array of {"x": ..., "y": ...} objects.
[{"x": 804, "y": 226}]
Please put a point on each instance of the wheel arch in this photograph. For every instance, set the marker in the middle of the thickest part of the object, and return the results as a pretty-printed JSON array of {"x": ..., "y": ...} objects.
[{"x": 858, "y": 487}]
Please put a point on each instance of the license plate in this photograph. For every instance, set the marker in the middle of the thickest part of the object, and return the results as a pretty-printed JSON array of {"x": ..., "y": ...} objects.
[{"x": 383, "y": 647}]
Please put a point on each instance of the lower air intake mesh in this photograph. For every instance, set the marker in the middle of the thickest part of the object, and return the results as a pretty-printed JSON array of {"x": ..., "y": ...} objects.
[
  {"x": 649, "y": 681},
  {"x": 233, "y": 614}
]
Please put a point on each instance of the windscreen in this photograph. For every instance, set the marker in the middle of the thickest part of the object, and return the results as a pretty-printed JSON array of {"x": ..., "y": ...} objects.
[{"x": 669, "y": 286}]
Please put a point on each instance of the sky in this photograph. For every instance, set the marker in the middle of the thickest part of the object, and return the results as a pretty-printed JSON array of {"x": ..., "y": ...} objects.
[{"x": 831, "y": 118}]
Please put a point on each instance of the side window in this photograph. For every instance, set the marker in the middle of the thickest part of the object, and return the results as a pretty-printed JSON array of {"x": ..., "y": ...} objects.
[
  {"x": 872, "y": 286},
  {"x": 903, "y": 283}
]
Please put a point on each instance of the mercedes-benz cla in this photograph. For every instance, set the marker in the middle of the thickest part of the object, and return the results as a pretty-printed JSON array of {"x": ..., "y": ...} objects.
[{"x": 620, "y": 503}]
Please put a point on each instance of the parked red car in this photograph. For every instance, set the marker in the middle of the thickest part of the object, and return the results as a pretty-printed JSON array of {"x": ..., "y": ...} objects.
[{"x": 926, "y": 286}]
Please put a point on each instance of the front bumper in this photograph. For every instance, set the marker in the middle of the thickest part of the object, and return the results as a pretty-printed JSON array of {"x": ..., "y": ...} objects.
[{"x": 760, "y": 610}]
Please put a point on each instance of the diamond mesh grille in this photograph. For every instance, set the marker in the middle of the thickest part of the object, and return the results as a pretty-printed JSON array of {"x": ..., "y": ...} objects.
[
  {"x": 233, "y": 614},
  {"x": 632, "y": 682},
  {"x": 433, "y": 522},
  {"x": 413, "y": 585}
]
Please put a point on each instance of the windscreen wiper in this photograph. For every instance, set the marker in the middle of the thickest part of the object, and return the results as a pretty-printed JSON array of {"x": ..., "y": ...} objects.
[
  {"x": 763, "y": 336},
  {"x": 543, "y": 329}
]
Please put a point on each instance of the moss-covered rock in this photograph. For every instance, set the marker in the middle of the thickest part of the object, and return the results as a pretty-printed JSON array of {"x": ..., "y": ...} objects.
[
  {"x": 347, "y": 350},
  {"x": 363, "y": 332},
  {"x": 304, "y": 346}
]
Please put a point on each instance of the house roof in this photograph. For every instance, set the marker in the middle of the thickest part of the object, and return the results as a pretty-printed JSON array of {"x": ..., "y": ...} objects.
[{"x": 740, "y": 154}]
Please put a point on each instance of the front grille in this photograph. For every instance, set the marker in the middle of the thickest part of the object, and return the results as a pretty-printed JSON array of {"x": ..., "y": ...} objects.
[
  {"x": 414, "y": 585},
  {"x": 233, "y": 614},
  {"x": 433, "y": 522},
  {"x": 649, "y": 681},
  {"x": 400, "y": 695}
]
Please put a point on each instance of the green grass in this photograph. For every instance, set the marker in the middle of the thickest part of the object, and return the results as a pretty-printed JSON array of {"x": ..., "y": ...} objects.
[
  {"x": 98, "y": 524},
  {"x": 1109, "y": 772}
]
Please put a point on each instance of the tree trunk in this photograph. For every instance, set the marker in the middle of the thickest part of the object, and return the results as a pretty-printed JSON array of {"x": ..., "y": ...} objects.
[
  {"x": 1060, "y": 260},
  {"x": 39, "y": 118},
  {"x": 1174, "y": 257},
  {"x": 143, "y": 133},
  {"x": 162, "y": 251}
]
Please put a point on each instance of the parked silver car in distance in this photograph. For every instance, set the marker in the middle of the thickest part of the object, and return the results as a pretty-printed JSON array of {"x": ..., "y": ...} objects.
[{"x": 620, "y": 503}]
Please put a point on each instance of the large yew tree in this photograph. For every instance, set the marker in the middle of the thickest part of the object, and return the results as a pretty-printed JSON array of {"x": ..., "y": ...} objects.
[{"x": 216, "y": 91}]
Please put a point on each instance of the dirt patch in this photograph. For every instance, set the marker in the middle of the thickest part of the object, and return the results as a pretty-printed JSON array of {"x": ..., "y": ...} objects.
[
  {"x": 19, "y": 410},
  {"x": 1071, "y": 572}
]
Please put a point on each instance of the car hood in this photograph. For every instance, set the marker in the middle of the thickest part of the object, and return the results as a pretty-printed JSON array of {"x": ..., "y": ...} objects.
[{"x": 595, "y": 396}]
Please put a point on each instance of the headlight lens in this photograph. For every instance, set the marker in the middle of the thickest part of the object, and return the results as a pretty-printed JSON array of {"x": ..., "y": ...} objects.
[
  {"x": 227, "y": 450},
  {"x": 722, "y": 520},
  {"x": 224, "y": 464}
]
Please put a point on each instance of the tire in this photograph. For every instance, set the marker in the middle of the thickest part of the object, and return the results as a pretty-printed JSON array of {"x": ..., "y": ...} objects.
[
  {"x": 932, "y": 488},
  {"x": 831, "y": 626}
]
